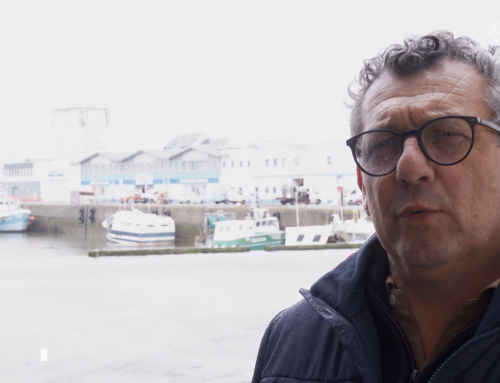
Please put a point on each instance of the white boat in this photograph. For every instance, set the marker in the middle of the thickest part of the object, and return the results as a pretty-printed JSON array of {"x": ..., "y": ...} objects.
[
  {"x": 134, "y": 227},
  {"x": 314, "y": 235},
  {"x": 257, "y": 230},
  {"x": 356, "y": 230},
  {"x": 350, "y": 231},
  {"x": 13, "y": 217}
]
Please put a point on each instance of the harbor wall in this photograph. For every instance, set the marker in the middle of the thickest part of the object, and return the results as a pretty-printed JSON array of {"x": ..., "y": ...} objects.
[{"x": 64, "y": 219}]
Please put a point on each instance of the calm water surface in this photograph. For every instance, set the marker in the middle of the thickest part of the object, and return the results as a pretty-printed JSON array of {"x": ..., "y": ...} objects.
[{"x": 30, "y": 243}]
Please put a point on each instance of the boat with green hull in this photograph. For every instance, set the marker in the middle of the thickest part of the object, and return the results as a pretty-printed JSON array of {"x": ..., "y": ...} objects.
[{"x": 257, "y": 230}]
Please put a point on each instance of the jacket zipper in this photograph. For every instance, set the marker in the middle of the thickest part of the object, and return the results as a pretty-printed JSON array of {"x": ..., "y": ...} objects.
[
  {"x": 434, "y": 376},
  {"x": 457, "y": 334},
  {"x": 413, "y": 364}
]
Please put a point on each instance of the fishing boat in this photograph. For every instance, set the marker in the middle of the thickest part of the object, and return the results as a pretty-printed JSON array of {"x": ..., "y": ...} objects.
[
  {"x": 134, "y": 227},
  {"x": 314, "y": 235},
  {"x": 357, "y": 230},
  {"x": 257, "y": 230},
  {"x": 206, "y": 236},
  {"x": 12, "y": 216}
]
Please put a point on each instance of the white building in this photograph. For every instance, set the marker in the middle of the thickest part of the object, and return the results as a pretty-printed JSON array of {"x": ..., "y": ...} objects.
[
  {"x": 40, "y": 180},
  {"x": 265, "y": 169},
  {"x": 188, "y": 164}
]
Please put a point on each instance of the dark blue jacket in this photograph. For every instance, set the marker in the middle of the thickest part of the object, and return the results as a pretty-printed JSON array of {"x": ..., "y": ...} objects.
[{"x": 343, "y": 332}]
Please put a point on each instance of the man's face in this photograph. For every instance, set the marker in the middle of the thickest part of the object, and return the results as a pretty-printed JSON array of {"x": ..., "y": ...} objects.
[{"x": 427, "y": 215}]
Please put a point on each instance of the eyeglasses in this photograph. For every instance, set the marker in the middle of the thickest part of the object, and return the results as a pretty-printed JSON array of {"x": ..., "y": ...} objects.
[{"x": 445, "y": 141}]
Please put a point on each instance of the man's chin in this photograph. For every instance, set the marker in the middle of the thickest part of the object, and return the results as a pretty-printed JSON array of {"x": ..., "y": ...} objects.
[{"x": 426, "y": 254}]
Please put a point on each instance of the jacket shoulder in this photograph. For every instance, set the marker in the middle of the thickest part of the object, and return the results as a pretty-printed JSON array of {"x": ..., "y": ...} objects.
[{"x": 299, "y": 344}]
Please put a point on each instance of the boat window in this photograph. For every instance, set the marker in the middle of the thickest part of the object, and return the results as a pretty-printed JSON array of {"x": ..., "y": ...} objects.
[
  {"x": 264, "y": 223},
  {"x": 165, "y": 225},
  {"x": 257, "y": 224},
  {"x": 316, "y": 238},
  {"x": 300, "y": 238},
  {"x": 148, "y": 225}
]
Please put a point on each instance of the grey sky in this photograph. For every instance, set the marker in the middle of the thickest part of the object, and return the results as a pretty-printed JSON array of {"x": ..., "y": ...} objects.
[{"x": 228, "y": 68}]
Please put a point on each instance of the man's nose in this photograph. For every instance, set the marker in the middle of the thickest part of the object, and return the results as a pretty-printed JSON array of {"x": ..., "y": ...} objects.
[{"x": 413, "y": 167}]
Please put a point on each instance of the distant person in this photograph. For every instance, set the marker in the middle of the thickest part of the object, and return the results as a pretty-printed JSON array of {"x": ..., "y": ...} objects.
[{"x": 419, "y": 301}]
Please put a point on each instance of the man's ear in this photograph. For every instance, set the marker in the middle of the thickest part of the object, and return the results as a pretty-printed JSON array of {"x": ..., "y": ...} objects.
[{"x": 363, "y": 190}]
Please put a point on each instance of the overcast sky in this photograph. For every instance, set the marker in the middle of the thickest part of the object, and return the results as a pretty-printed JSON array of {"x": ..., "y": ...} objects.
[{"x": 228, "y": 68}]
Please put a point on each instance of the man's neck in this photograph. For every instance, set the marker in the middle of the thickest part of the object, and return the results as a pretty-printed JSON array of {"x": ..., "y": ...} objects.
[{"x": 435, "y": 295}]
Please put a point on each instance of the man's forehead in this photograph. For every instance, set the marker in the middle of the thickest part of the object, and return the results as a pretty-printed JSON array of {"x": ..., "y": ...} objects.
[{"x": 445, "y": 85}]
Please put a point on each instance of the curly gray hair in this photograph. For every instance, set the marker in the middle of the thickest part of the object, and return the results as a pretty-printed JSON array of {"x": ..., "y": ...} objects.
[{"x": 420, "y": 52}]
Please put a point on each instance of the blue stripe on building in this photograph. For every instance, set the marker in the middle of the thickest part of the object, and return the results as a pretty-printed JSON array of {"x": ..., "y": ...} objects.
[{"x": 158, "y": 179}]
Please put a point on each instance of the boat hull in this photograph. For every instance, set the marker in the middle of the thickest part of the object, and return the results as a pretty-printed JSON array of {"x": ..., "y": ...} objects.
[
  {"x": 14, "y": 222},
  {"x": 255, "y": 242},
  {"x": 130, "y": 238}
]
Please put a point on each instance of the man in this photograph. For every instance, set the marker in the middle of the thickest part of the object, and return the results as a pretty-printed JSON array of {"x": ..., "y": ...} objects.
[{"x": 418, "y": 302}]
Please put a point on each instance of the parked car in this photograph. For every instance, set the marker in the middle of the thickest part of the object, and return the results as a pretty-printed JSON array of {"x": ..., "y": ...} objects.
[
  {"x": 354, "y": 197},
  {"x": 219, "y": 196},
  {"x": 155, "y": 196},
  {"x": 132, "y": 197},
  {"x": 304, "y": 195},
  {"x": 191, "y": 198},
  {"x": 234, "y": 196}
]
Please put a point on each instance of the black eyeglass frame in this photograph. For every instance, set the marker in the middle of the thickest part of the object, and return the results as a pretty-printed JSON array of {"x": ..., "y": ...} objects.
[{"x": 472, "y": 121}]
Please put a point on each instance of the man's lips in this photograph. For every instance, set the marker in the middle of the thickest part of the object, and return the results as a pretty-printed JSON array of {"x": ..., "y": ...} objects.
[{"x": 410, "y": 211}]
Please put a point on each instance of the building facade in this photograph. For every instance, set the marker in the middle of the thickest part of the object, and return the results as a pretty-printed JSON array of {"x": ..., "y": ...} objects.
[{"x": 40, "y": 180}]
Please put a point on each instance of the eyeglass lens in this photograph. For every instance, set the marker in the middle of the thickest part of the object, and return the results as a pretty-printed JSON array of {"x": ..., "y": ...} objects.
[{"x": 446, "y": 141}]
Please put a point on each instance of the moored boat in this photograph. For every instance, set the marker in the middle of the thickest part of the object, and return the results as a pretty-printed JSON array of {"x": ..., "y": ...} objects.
[
  {"x": 13, "y": 217},
  {"x": 357, "y": 230},
  {"x": 257, "y": 230},
  {"x": 134, "y": 227}
]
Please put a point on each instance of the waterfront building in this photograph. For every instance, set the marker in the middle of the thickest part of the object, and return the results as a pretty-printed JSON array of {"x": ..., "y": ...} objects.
[
  {"x": 198, "y": 164},
  {"x": 188, "y": 164},
  {"x": 40, "y": 179},
  {"x": 266, "y": 168}
]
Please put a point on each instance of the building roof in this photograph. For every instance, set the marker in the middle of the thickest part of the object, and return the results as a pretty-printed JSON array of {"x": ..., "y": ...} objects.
[
  {"x": 212, "y": 150},
  {"x": 185, "y": 140},
  {"x": 117, "y": 157}
]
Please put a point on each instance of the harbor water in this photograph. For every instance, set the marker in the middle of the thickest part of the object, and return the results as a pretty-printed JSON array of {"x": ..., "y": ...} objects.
[{"x": 167, "y": 318}]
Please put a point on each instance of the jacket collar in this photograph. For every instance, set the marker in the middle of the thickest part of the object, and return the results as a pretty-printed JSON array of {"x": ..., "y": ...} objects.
[{"x": 344, "y": 288}]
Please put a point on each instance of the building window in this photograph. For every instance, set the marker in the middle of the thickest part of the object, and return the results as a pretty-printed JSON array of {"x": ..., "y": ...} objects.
[
  {"x": 224, "y": 164},
  {"x": 248, "y": 163},
  {"x": 267, "y": 162},
  {"x": 256, "y": 190},
  {"x": 240, "y": 190},
  {"x": 296, "y": 161},
  {"x": 267, "y": 190},
  {"x": 282, "y": 162},
  {"x": 275, "y": 162},
  {"x": 329, "y": 160},
  {"x": 21, "y": 169},
  {"x": 232, "y": 164},
  {"x": 274, "y": 189},
  {"x": 241, "y": 164}
]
